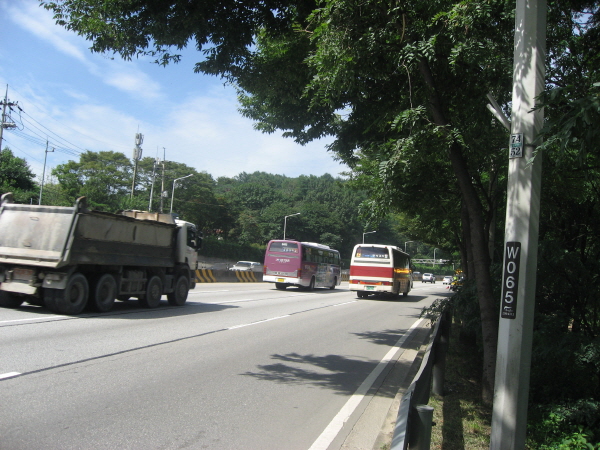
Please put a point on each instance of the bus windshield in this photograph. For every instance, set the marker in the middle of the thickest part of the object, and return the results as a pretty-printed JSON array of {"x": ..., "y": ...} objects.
[
  {"x": 284, "y": 247},
  {"x": 372, "y": 252}
]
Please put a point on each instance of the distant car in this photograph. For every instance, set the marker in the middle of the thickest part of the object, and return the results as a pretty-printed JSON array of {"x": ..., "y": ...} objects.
[
  {"x": 447, "y": 280},
  {"x": 247, "y": 266},
  {"x": 428, "y": 278}
]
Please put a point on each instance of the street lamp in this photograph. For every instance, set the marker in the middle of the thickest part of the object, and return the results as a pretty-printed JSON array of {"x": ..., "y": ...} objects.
[
  {"x": 405, "y": 245},
  {"x": 285, "y": 223},
  {"x": 174, "y": 183},
  {"x": 434, "y": 255},
  {"x": 368, "y": 232}
]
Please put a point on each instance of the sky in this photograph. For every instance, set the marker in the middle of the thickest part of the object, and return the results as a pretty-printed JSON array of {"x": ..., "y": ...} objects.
[{"x": 80, "y": 101}]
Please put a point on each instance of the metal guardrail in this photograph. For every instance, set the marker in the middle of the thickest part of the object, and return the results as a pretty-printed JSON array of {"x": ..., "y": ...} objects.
[{"x": 415, "y": 418}]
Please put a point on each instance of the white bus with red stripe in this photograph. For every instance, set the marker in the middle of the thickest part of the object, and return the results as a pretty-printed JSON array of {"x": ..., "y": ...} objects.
[{"x": 380, "y": 269}]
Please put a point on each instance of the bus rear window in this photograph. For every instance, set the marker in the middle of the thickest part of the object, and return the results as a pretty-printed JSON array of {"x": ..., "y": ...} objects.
[
  {"x": 372, "y": 252},
  {"x": 284, "y": 247}
]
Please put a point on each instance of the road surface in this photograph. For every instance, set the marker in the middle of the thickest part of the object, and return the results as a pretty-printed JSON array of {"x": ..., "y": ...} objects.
[{"x": 240, "y": 366}]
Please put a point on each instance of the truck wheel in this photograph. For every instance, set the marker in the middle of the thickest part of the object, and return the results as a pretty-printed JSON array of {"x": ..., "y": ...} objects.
[
  {"x": 179, "y": 295},
  {"x": 154, "y": 290},
  {"x": 70, "y": 300},
  {"x": 10, "y": 300},
  {"x": 104, "y": 293}
]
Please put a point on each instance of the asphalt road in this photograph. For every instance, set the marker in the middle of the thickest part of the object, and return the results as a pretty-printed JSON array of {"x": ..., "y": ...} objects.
[{"x": 240, "y": 366}]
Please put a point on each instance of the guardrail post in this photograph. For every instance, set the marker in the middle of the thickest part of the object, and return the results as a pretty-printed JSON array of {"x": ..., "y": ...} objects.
[
  {"x": 420, "y": 430},
  {"x": 439, "y": 354}
]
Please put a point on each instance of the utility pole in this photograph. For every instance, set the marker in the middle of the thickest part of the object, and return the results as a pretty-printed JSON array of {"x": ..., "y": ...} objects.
[
  {"x": 152, "y": 185},
  {"x": 44, "y": 172},
  {"x": 4, "y": 123},
  {"x": 137, "y": 155},
  {"x": 515, "y": 334},
  {"x": 162, "y": 186}
]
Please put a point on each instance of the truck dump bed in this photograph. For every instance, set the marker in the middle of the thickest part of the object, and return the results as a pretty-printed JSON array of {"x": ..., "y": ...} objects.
[{"x": 55, "y": 236}]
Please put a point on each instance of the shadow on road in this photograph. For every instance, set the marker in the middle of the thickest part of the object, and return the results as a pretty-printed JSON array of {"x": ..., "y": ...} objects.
[
  {"x": 339, "y": 373},
  {"x": 131, "y": 309}
]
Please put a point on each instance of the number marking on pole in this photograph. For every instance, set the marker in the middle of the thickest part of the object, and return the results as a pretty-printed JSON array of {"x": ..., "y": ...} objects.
[
  {"x": 510, "y": 280},
  {"x": 516, "y": 146}
]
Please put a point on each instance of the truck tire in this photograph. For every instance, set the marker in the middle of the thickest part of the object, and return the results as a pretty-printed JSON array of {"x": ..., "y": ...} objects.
[
  {"x": 180, "y": 292},
  {"x": 10, "y": 300},
  {"x": 72, "y": 299},
  {"x": 104, "y": 293},
  {"x": 154, "y": 289}
]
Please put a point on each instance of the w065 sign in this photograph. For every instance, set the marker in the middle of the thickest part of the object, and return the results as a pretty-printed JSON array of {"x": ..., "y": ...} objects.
[{"x": 510, "y": 280}]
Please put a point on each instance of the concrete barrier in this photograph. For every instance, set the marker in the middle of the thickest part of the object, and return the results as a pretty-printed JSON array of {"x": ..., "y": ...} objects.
[{"x": 227, "y": 276}]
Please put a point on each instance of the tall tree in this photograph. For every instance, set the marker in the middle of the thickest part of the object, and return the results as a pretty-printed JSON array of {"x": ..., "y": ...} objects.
[
  {"x": 16, "y": 177},
  {"x": 104, "y": 178}
]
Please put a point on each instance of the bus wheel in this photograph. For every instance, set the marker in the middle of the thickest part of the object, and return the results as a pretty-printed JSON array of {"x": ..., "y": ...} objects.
[
  {"x": 332, "y": 287},
  {"x": 311, "y": 286},
  {"x": 280, "y": 286},
  {"x": 361, "y": 294},
  {"x": 151, "y": 298}
]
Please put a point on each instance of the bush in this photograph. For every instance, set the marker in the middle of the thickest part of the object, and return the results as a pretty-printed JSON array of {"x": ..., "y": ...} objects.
[{"x": 565, "y": 426}]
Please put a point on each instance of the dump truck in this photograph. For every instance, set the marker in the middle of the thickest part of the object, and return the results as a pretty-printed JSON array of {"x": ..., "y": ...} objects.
[{"x": 70, "y": 258}]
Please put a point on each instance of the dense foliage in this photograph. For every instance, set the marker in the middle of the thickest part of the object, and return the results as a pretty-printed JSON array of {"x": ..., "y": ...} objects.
[
  {"x": 241, "y": 213},
  {"x": 16, "y": 177}
]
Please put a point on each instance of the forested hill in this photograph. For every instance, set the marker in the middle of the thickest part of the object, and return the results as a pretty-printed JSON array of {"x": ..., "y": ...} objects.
[{"x": 248, "y": 209}]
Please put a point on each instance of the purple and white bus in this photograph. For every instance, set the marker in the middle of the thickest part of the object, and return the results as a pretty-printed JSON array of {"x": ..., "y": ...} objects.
[{"x": 303, "y": 264}]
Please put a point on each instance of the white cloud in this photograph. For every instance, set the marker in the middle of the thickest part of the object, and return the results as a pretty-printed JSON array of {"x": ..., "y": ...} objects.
[
  {"x": 39, "y": 22},
  {"x": 122, "y": 75},
  {"x": 132, "y": 81}
]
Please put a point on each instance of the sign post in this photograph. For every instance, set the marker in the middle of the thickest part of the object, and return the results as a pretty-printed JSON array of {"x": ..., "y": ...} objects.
[{"x": 511, "y": 393}]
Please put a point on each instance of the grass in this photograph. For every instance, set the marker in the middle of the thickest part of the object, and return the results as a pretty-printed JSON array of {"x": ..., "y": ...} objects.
[{"x": 462, "y": 421}]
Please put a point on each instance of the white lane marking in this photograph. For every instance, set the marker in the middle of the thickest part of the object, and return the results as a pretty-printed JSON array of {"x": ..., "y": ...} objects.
[
  {"x": 255, "y": 323},
  {"x": 250, "y": 300},
  {"x": 9, "y": 375},
  {"x": 334, "y": 427},
  {"x": 281, "y": 317},
  {"x": 35, "y": 318},
  {"x": 346, "y": 303}
]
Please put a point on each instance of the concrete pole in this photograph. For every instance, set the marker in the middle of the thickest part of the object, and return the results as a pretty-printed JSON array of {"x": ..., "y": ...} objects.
[
  {"x": 44, "y": 172},
  {"x": 511, "y": 394}
]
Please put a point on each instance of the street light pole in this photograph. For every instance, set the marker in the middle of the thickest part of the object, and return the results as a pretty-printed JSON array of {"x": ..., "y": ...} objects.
[
  {"x": 368, "y": 232},
  {"x": 285, "y": 223},
  {"x": 173, "y": 193},
  {"x": 434, "y": 255},
  {"x": 405, "y": 245}
]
